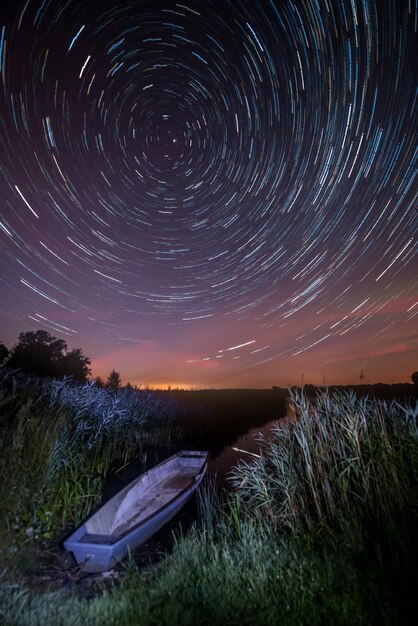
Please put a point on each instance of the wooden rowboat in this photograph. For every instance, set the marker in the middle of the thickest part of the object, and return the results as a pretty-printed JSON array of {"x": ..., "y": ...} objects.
[{"x": 137, "y": 512}]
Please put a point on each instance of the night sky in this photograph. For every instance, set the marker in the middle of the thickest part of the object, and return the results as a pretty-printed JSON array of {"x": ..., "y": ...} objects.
[{"x": 212, "y": 193}]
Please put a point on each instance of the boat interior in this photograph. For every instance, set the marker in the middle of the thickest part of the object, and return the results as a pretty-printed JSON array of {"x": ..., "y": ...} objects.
[{"x": 144, "y": 497}]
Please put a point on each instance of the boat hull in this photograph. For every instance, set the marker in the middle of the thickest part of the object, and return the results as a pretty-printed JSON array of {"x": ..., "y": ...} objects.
[{"x": 96, "y": 553}]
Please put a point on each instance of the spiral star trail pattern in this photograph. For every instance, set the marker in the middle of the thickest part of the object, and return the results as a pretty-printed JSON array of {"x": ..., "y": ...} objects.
[{"x": 217, "y": 193}]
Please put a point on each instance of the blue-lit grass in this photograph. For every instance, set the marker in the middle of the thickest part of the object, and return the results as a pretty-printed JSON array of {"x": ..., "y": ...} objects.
[
  {"x": 230, "y": 572},
  {"x": 342, "y": 479},
  {"x": 57, "y": 441}
]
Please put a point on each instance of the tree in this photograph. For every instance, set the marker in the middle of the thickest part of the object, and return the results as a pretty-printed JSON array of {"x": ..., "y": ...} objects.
[
  {"x": 113, "y": 380},
  {"x": 4, "y": 354},
  {"x": 75, "y": 364},
  {"x": 39, "y": 353},
  {"x": 414, "y": 378}
]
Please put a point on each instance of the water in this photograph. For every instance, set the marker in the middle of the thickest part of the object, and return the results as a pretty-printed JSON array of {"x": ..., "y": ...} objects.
[
  {"x": 245, "y": 448},
  {"x": 227, "y": 440}
]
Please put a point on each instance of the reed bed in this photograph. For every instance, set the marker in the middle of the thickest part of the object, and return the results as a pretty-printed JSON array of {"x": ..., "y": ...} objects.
[
  {"x": 321, "y": 529},
  {"x": 343, "y": 457},
  {"x": 57, "y": 441}
]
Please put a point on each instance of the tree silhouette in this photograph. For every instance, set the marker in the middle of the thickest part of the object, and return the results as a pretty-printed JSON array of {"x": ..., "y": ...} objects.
[
  {"x": 75, "y": 364},
  {"x": 414, "y": 378},
  {"x": 4, "y": 353},
  {"x": 39, "y": 353},
  {"x": 113, "y": 380}
]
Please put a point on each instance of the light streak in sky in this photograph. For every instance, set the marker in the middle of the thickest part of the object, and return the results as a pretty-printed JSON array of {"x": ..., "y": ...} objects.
[{"x": 204, "y": 173}]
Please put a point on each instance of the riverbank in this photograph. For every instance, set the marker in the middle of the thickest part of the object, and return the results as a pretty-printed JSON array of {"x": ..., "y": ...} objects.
[{"x": 320, "y": 529}]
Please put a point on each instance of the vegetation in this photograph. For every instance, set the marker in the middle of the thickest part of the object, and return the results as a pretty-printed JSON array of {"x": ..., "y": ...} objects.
[
  {"x": 57, "y": 441},
  {"x": 219, "y": 416},
  {"x": 320, "y": 529},
  {"x": 40, "y": 354},
  {"x": 113, "y": 380}
]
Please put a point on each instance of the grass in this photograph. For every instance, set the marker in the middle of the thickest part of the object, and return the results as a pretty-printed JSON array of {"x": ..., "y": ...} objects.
[
  {"x": 240, "y": 575},
  {"x": 321, "y": 529},
  {"x": 343, "y": 450},
  {"x": 57, "y": 442}
]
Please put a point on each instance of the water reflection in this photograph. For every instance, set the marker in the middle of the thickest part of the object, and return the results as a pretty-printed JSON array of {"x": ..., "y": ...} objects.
[
  {"x": 220, "y": 466},
  {"x": 245, "y": 447}
]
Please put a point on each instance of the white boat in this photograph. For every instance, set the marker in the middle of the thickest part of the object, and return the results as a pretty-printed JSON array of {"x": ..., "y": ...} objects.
[{"x": 137, "y": 512}]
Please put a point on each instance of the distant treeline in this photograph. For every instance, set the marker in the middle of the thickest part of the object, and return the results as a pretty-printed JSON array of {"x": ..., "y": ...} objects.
[
  {"x": 251, "y": 396},
  {"x": 377, "y": 390},
  {"x": 38, "y": 353}
]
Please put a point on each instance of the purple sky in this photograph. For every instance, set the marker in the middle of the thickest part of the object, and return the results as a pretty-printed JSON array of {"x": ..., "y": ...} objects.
[{"x": 212, "y": 194}]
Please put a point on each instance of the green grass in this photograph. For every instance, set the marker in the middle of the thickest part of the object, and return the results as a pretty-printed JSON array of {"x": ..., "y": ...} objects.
[
  {"x": 240, "y": 575},
  {"x": 250, "y": 579},
  {"x": 321, "y": 529},
  {"x": 344, "y": 455},
  {"x": 57, "y": 442}
]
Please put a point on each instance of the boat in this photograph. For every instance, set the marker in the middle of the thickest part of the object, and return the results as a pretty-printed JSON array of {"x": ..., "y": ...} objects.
[{"x": 137, "y": 512}]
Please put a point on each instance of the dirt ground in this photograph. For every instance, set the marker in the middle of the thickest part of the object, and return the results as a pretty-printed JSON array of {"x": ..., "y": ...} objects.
[{"x": 46, "y": 566}]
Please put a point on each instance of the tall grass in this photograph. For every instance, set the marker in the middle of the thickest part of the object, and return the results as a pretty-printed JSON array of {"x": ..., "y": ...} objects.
[
  {"x": 341, "y": 479},
  {"x": 321, "y": 529},
  {"x": 57, "y": 441},
  {"x": 344, "y": 455}
]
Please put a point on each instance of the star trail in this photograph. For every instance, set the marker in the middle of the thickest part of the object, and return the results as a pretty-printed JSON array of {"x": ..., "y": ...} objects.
[{"x": 218, "y": 193}]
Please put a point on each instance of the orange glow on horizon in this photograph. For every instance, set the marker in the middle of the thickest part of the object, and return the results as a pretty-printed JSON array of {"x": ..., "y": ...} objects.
[
  {"x": 150, "y": 384},
  {"x": 166, "y": 386}
]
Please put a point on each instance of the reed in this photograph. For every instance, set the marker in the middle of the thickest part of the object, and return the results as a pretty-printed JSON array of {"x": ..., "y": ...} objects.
[
  {"x": 343, "y": 456},
  {"x": 57, "y": 441},
  {"x": 321, "y": 529}
]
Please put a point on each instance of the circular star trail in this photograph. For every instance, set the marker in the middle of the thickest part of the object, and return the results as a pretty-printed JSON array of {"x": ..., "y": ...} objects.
[{"x": 236, "y": 180}]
